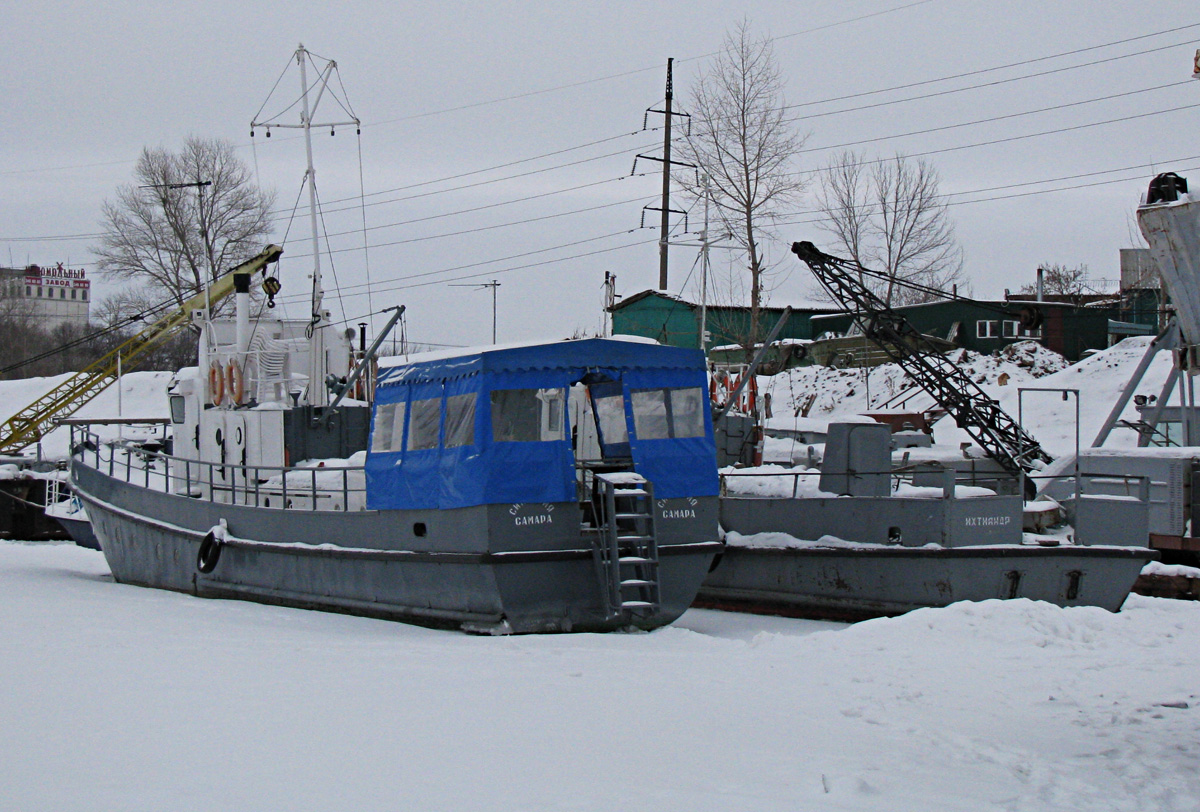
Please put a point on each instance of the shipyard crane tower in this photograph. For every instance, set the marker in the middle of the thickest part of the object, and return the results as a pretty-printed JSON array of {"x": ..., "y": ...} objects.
[
  {"x": 1001, "y": 437},
  {"x": 33, "y": 422}
]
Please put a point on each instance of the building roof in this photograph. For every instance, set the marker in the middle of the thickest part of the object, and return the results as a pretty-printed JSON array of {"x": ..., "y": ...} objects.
[{"x": 774, "y": 307}]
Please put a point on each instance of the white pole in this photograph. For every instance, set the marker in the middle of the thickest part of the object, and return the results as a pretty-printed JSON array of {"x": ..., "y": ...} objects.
[
  {"x": 120, "y": 409},
  {"x": 704, "y": 273},
  {"x": 317, "y": 395}
]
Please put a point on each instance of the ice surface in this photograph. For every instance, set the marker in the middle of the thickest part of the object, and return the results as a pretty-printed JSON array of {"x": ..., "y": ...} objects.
[{"x": 118, "y": 697}]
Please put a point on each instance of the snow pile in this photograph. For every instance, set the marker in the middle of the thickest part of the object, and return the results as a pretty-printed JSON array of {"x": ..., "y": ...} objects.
[
  {"x": 118, "y": 697},
  {"x": 143, "y": 395},
  {"x": 825, "y": 391},
  {"x": 833, "y": 394}
]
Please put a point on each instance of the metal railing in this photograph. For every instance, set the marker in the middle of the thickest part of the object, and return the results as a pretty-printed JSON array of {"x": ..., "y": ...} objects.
[
  {"x": 312, "y": 488},
  {"x": 948, "y": 481}
]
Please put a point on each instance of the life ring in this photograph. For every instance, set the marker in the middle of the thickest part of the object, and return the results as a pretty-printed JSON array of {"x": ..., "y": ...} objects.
[
  {"x": 216, "y": 383},
  {"x": 237, "y": 383},
  {"x": 210, "y": 553}
]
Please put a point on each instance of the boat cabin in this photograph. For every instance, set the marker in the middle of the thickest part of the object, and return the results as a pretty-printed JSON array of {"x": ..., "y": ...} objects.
[{"x": 532, "y": 424}]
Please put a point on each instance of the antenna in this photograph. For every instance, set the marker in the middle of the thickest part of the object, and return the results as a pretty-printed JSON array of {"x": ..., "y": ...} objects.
[{"x": 481, "y": 286}]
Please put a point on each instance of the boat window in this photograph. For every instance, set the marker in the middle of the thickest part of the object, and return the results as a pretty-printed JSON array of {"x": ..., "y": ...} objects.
[
  {"x": 381, "y": 437},
  {"x": 650, "y": 414},
  {"x": 423, "y": 424},
  {"x": 660, "y": 414},
  {"x": 460, "y": 420},
  {"x": 527, "y": 415},
  {"x": 397, "y": 440},
  {"x": 178, "y": 408},
  {"x": 687, "y": 412},
  {"x": 610, "y": 416}
]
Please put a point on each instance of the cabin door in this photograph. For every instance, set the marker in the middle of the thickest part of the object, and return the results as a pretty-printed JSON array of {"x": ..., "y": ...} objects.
[{"x": 608, "y": 405}]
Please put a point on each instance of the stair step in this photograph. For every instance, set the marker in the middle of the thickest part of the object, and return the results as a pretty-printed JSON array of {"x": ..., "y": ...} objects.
[
  {"x": 634, "y": 538},
  {"x": 634, "y": 516},
  {"x": 638, "y": 582},
  {"x": 619, "y": 492},
  {"x": 635, "y": 559},
  {"x": 637, "y": 605}
]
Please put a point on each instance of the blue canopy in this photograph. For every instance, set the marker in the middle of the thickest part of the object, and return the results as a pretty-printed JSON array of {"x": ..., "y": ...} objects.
[{"x": 467, "y": 466}]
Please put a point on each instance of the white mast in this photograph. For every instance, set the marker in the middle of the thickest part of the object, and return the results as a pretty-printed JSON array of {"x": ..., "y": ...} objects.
[{"x": 318, "y": 395}]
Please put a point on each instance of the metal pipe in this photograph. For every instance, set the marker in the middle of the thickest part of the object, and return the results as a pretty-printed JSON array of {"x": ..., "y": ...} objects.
[
  {"x": 362, "y": 364},
  {"x": 787, "y": 313}
]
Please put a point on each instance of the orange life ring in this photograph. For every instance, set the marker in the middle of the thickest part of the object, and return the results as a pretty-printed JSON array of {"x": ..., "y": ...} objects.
[
  {"x": 237, "y": 383},
  {"x": 216, "y": 383}
]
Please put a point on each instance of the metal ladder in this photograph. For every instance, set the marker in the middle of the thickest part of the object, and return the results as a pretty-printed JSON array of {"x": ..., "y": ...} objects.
[{"x": 626, "y": 548}]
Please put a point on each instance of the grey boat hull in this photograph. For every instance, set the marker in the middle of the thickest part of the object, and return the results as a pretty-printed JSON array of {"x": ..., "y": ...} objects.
[
  {"x": 955, "y": 551},
  {"x": 491, "y": 568},
  {"x": 853, "y": 584}
]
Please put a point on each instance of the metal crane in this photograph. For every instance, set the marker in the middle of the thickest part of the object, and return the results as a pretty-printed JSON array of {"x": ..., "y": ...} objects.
[
  {"x": 33, "y": 422},
  {"x": 1001, "y": 437}
]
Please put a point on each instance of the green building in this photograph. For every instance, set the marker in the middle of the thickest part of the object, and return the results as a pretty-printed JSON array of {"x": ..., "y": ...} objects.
[
  {"x": 1068, "y": 329},
  {"x": 670, "y": 319}
]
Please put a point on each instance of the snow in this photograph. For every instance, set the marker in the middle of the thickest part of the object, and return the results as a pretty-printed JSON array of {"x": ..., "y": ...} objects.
[
  {"x": 119, "y": 697},
  {"x": 1100, "y": 379},
  {"x": 1170, "y": 570}
]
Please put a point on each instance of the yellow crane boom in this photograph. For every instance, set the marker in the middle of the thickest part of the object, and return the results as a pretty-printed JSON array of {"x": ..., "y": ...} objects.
[{"x": 33, "y": 422}]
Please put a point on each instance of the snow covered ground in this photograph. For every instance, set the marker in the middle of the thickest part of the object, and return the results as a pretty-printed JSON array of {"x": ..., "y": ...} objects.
[
  {"x": 831, "y": 394},
  {"x": 117, "y": 697}
]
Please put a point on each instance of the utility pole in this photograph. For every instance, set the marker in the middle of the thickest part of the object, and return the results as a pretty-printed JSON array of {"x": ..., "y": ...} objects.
[
  {"x": 481, "y": 286},
  {"x": 667, "y": 163},
  {"x": 666, "y": 184}
]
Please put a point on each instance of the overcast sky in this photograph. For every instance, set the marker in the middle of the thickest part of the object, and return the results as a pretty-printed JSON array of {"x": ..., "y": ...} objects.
[{"x": 449, "y": 91}]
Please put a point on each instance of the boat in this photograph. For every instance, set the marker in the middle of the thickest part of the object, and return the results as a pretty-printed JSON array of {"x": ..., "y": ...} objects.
[
  {"x": 472, "y": 503},
  {"x": 547, "y": 487},
  {"x": 857, "y": 538}
]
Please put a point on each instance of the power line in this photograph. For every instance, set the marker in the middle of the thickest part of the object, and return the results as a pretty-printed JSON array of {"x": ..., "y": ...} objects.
[
  {"x": 1003, "y": 67},
  {"x": 993, "y": 119}
]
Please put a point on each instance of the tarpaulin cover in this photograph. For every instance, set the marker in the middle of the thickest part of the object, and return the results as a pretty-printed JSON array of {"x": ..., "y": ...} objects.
[{"x": 485, "y": 471}]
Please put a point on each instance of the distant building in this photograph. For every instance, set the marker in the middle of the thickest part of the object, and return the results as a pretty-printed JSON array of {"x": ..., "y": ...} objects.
[
  {"x": 51, "y": 295},
  {"x": 673, "y": 320}
]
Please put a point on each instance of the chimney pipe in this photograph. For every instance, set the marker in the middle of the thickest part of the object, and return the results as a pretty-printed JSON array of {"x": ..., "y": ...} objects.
[{"x": 1041, "y": 283}]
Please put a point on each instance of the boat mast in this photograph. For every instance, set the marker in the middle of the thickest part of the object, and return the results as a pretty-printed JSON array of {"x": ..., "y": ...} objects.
[{"x": 317, "y": 394}]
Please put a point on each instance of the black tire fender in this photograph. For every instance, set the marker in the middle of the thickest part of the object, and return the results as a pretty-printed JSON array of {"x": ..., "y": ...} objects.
[{"x": 210, "y": 553}]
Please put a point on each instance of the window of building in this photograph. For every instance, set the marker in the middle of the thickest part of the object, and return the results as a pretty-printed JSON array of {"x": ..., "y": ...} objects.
[
  {"x": 27, "y": 290},
  {"x": 39, "y": 291},
  {"x": 527, "y": 415},
  {"x": 62, "y": 293},
  {"x": 72, "y": 293},
  {"x": 83, "y": 294},
  {"x": 660, "y": 414},
  {"x": 1010, "y": 328},
  {"x": 460, "y": 420},
  {"x": 987, "y": 329}
]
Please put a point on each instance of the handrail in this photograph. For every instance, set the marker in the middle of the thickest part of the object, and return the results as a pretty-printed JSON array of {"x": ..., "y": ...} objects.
[{"x": 249, "y": 485}]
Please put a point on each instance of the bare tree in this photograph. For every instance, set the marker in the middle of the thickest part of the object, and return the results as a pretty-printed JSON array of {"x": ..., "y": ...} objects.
[
  {"x": 743, "y": 142},
  {"x": 168, "y": 231},
  {"x": 889, "y": 216},
  {"x": 1062, "y": 281}
]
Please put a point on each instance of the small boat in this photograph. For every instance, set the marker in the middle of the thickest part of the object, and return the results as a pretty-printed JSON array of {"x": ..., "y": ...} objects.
[
  {"x": 854, "y": 540},
  {"x": 565, "y": 486}
]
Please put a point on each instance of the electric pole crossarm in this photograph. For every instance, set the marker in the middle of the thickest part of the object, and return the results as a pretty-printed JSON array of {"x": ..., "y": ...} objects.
[{"x": 1001, "y": 437}]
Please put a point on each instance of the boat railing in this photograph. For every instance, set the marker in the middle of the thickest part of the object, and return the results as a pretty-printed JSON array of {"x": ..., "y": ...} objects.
[
  {"x": 317, "y": 487},
  {"x": 949, "y": 481}
]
